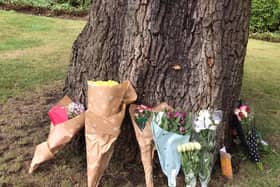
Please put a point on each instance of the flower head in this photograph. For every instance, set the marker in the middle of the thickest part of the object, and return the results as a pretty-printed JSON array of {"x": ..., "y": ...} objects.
[
  {"x": 245, "y": 108},
  {"x": 182, "y": 129},
  {"x": 203, "y": 121}
]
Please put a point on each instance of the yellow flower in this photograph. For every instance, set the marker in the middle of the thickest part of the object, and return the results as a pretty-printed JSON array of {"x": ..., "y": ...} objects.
[{"x": 103, "y": 83}]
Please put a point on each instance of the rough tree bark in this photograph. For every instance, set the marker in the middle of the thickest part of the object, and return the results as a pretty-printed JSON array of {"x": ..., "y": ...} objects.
[{"x": 189, "y": 53}]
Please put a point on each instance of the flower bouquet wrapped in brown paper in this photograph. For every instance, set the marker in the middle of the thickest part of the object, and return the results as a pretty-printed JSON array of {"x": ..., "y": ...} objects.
[
  {"x": 141, "y": 119},
  {"x": 60, "y": 134},
  {"x": 107, "y": 102}
]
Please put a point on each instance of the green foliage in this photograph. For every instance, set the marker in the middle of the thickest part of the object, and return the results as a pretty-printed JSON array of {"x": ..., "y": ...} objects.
[
  {"x": 267, "y": 36},
  {"x": 66, "y": 5},
  {"x": 265, "y": 15}
]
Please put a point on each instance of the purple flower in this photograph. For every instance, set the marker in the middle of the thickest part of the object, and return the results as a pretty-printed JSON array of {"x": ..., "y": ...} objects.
[
  {"x": 177, "y": 114},
  {"x": 182, "y": 130},
  {"x": 170, "y": 115}
]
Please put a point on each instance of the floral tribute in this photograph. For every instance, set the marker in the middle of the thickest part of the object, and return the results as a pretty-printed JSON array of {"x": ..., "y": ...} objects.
[
  {"x": 205, "y": 125},
  {"x": 189, "y": 154},
  {"x": 248, "y": 134},
  {"x": 59, "y": 114},
  {"x": 170, "y": 129},
  {"x": 176, "y": 122},
  {"x": 142, "y": 115}
]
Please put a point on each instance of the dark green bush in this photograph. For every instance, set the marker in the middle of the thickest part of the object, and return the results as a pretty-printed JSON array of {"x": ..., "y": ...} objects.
[
  {"x": 265, "y": 16},
  {"x": 266, "y": 36},
  {"x": 75, "y": 3},
  {"x": 66, "y": 5}
]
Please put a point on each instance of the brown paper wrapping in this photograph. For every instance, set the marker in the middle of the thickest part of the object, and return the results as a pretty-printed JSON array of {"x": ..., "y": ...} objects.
[
  {"x": 59, "y": 135},
  {"x": 103, "y": 119},
  {"x": 145, "y": 141},
  {"x": 226, "y": 164}
]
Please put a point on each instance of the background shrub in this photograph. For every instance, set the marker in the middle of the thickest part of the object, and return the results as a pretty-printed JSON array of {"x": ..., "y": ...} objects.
[{"x": 265, "y": 16}]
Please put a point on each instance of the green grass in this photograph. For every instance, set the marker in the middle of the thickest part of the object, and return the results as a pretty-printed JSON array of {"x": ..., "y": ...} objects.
[
  {"x": 35, "y": 51},
  {"x": 261, "y": 90}
]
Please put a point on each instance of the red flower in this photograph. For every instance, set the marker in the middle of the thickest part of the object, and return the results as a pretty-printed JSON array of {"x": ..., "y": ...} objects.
[{"x": 241, "y": 115}]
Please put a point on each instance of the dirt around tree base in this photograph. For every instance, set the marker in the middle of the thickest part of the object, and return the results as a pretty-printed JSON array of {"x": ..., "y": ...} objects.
[{"x": 24, "y": 123}]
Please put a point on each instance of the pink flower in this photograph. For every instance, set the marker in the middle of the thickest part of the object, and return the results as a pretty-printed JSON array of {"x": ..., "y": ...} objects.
[
  {"x": 245, "y": 108},
  {"x": 142, "y": 108}
]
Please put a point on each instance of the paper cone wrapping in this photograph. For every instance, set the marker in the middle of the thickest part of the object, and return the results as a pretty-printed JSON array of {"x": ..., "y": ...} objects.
[
  {"x": 145, "y": 140},
  {"x": 166, "y": 144},
  {"x": 106, "y": 111},
  {"x": 59, "y": 135}
]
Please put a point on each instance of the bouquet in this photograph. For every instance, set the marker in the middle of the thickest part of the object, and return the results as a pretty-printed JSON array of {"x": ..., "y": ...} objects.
[
  {"x": 249, "y": 133},
  {"x": 176, "y": 122},
  {"x": 244, "y": 115},
  {"x": 107, "y": 102},
  {"x": 189, "y": 153},
  {"x": 142, "y": 114},
  {"x": 59, "y": 114},
  {"x": 205, "y": 126},
  {"x": 141, "y": 120},
  {"x": 169, "y": 130},
  {"x": 62, "y": 129}
]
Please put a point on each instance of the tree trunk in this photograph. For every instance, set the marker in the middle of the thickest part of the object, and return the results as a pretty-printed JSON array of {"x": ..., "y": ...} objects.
[{"x": 188, "y": 53}]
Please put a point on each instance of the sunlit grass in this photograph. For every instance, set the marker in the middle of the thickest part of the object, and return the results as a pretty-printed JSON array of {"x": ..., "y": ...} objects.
[
  {"x": 261, "y": 90},
  {"x": 33, "y": 51}
]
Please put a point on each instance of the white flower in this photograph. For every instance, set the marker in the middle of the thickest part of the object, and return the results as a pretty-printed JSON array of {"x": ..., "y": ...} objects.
[
  {"x": 187, "y": 147},
  {"x": 192, "y": 146},
  {"x": 197, "y": 145},
  {"x": 208, "y": 123},
  {"x": 203, "y": 121},
  {"x": 179, "y": 148},
  {"x": 199, "y": 125},
  {"x": 203, "y": 114},
  {"x": 213, "y": 127}
]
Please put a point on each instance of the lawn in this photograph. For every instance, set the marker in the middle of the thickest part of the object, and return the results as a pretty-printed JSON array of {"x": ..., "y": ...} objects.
[{"x": 35, "y": 51}]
